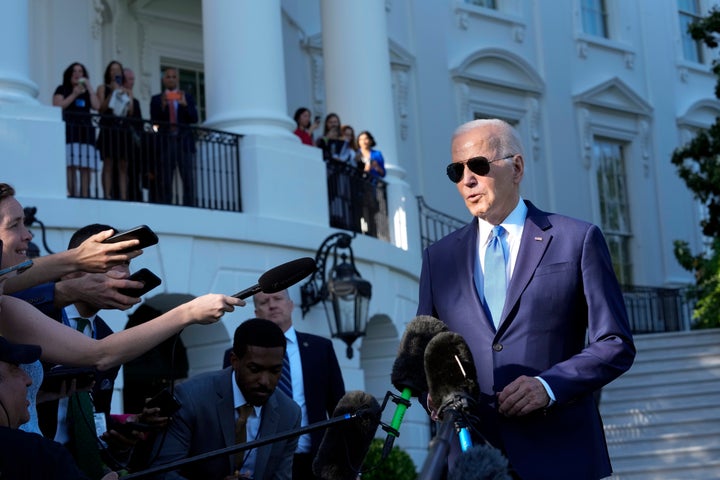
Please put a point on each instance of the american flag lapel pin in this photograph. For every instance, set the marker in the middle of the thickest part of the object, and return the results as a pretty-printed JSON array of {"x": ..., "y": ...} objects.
[{"x": 538, "y": 239}]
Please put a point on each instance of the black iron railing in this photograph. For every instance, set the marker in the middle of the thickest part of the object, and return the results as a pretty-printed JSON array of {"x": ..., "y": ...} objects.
[
  {"x": 434, "y": 224},
  {"x": 128, "y": 159},
  {"x": 357, "y": 201}
]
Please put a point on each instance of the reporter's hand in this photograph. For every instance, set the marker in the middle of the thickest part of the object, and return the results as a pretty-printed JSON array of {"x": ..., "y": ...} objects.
[
  {"x": 66, "y": 390},
  {"x": 94, "y": 256},
  {"x": 210, "y": 308},
  {"x": 121, "y": 442},
  {"x": 522, "y": 396},
  {"x": 99, "y": 290},
  {"x": 151, "y": 416}
]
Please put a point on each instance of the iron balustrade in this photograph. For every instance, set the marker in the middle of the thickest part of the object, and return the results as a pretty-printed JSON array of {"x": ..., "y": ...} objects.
[
  {"x": 166, "y": 163},
  {"x": 434, "y": 224},
  {"x": 357, "y": 201}
]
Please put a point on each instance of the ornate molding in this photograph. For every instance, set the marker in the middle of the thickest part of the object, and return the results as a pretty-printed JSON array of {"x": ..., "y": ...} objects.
[
  {"x": 519, "y": 33},
  {"x": 98, "y": 18},
  {"x": 582, "y": 49},
  {"x": 630, "y": 60},
  {"x": 401, "y": 82},
  {"x": 463, "y": 20},
  {"x": 585, "y": 136},
  {"x": 645, "y": 146},
  {"x": 535, "y": 128},
  {"x": 317, "y": 80}
]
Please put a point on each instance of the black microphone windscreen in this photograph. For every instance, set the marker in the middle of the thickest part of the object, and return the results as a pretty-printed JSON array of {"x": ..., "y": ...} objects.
[
  {"x": 408, "y": 370},
  {"x": 345, "y": 445},
  {"x": 481, "y": 462},
  {"x": 449, "y": 368},
  {"x": 286, "y": 275}
]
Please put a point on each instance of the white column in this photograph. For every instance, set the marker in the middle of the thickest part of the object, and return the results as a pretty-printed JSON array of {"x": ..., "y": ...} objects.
[
  {"x": 244, "y": 67},
  {"x": 358, "y": 87},
  {"x": 15, "y": 83}
]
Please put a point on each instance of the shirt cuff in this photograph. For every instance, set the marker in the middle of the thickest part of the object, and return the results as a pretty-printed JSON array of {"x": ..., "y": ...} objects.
[{"x": 549, "y": 392}]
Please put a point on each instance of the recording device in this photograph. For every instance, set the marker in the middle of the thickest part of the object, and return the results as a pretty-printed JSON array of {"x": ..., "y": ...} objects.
[
  {"x": 53, "y": 378},
  {"x": 452, "y": 381},
  {"x": 408, "y": 372},
  {"x": 344, "y": 446},
  {"x": 166, "y": 402},
  {"x": 19, "y": 268},
  {"x": 149, "y": 279},
  {"x": 280, "y": 277},
  {"x": 317, "y": 118},
  {"x": 142, "y": 232},
  {"x": 127, "y": 428},
  {"x": 118, "y": 80}
]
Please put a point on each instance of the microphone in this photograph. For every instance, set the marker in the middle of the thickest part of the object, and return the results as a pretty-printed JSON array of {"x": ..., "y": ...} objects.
[
  {"x": 344, "y": 446},
  {"x": 280, "y": 277},
  {"x": 452, "y": 380},
  {"x": 481, "y": 462},
  {"x": 408, "y": 372}
]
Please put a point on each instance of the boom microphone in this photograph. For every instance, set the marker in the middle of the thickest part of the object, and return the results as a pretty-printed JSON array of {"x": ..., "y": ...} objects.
[
  {"x": 452, "y": 378},
  {"x": 280, "y": 277},
  {"x": 344, "y": 446},
  {"x": 408, "y": 372}
]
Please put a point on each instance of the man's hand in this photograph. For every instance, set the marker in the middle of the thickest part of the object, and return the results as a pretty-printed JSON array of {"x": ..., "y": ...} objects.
[
  {"x": 98, "y": 290},
  {"x": 522, "y": 396},
  {"x": 94, "y": 256}
]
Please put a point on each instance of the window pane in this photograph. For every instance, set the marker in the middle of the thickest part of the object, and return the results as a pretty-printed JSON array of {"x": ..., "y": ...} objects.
[
  {"x": 614, "y": 207},
  {"x": 594, "y": 18},
  {"x": 483, "y": 3},
  {"x": 689, "y": 12}
]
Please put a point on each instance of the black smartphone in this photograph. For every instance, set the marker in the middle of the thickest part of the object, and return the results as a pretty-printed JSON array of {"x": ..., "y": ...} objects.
[
  {"x": 144, "y": 275},
  {"x": 126, "y": 429},
  {"x": 53, "y": 378},
  {"x": 142, "y": 232},
  {"x": 166, "y": 401},
  {"x": 20, "y": 267}
]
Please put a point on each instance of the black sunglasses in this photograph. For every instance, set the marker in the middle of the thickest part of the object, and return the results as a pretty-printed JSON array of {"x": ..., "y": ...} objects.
[{"x": 477, "y": 165}]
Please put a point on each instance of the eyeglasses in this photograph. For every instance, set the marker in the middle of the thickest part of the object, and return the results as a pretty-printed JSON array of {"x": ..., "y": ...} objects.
[{"x": 477, "y": 165}]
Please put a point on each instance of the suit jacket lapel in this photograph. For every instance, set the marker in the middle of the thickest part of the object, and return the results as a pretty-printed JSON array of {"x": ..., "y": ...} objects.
[
  {"x": 534, "y": 242},
  {"x": 223, "y": 387},
  {"x": 268, "y": 427}
]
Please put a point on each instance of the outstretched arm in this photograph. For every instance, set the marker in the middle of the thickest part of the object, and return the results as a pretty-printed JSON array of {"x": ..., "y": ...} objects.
[{"x": 20, "y": 322}]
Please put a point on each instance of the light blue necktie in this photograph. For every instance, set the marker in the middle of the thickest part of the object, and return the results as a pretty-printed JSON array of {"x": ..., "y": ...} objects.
[
  {"x": 285, "y": 383},
  {"x": 495, "y": 274}
]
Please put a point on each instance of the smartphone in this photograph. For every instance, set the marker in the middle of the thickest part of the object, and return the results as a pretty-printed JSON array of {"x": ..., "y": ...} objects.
[
  {"x": 20, "y": 267},
  {"x": 118, "y": 80},
  {"x": 53, "y": 378},
  {"x": 144, "y": 275},
  {"x": 142, "y": 232},
  {"x": 317, "y": 118},
  {"x": 127, "y": 428},
  {"x": 166, "y": 401}
]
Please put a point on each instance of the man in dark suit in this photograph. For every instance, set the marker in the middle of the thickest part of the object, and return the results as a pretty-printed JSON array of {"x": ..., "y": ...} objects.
[
  {"x": 317, "y": 383},
  {"x": 559, "y": 330},
  {"x": 174, "y": 109},
  {"x": 207, "y": 419}
]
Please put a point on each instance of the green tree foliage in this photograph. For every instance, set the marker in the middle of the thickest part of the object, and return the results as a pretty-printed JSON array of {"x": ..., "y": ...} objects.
[
  {"x": 397, "y": 466},
  {"x": 698, "y": 165}
]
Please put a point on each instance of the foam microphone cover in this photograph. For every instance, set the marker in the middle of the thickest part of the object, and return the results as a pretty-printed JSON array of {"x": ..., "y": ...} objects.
[
  {"x": 408, "y": 370},
  {"x": 445, "y": 378},
  {"x": 286, "y": 275},
  {"x": 481, "y": 462},
  {"x": 345, "y": 445}
]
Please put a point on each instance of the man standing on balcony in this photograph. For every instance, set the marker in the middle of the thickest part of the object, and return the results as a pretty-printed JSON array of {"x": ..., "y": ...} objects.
[
  {"x": 536, "y": 299},
  {"x": 174, "y": 110}
]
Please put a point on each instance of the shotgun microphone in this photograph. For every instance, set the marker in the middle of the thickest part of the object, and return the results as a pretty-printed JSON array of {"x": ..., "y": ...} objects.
[
  {"x": 280, "y": 277},
  {"x": 408, "y": 372},
  {"x": 344, "y": 446}
]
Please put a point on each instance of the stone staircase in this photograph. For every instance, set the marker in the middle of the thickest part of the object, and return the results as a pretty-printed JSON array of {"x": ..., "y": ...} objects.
[{"x": 662, "y": 418}]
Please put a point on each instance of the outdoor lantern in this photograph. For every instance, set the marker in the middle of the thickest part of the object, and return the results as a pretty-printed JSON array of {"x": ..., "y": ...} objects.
[{"x": 341, "y": 289}]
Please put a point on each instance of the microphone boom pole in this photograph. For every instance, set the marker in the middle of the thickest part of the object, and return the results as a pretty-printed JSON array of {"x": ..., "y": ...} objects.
[{"x": 241, "y": 447}]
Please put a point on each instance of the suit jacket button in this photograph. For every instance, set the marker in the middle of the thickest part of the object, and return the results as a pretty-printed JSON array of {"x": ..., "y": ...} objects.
[{"x": 497, "y": 347}]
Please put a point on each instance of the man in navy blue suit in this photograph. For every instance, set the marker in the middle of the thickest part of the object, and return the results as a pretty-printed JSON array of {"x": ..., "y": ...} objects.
[
  {"x": 175, "y": 144},
  {"x": 546, "y": 330},
  {"x": 317, "y": 383}
]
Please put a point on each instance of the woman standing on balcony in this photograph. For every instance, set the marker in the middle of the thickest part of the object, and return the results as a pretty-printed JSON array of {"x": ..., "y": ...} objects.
[
  {"x": 76, "y": 97},
  {"x": 372, "y": 163},
  {"x": 116, "y": 102}
]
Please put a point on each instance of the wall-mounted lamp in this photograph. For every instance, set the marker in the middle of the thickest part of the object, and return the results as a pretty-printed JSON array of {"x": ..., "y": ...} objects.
[{"x": 341, "y": 289}]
